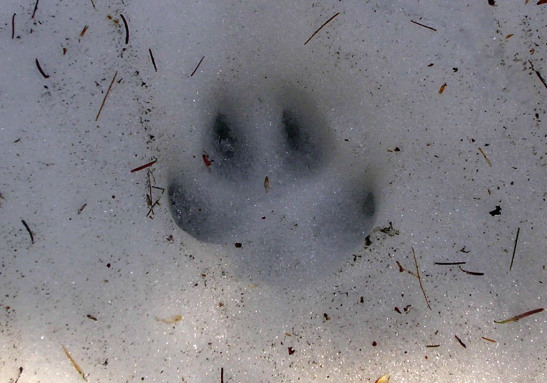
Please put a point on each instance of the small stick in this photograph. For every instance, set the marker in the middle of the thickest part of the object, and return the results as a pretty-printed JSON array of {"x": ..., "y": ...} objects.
[
  {"x": 520, "y": 316},
  {"x": 321, "y": 27},
  {"x": 199, "y": 63},
  {"x": 126, "y": 28},
  {"x": 84, "y": 30},
  {"x": 432, "y": 345},
  {"x": 35, "y": 9},
  {"x": 470, "y": 272},
  {"x": 82, "y": 208},
  {"x": 29, "y": 231},
  {"x": 450, "y": 263},
  {"x": 538, "y": 74},
  {"x": 92, "y": 3},
  {"x": 423, "y": 25},
  {"x": 19, "y": 375},
  {"x": 459, "y": 340},
  {"x": 13, "y": 26},
  {"x": 41, "y": 70},
  {"x": 106, "y": 95},
  {"x": 153, "y": 61},
  {"x": 76, "y": 366},
  {"x": 514, "y": 249},
  {"x": 221, "y": 374},
  {"x": 488, "y": 339},
  {"x": 486, "y": 158},
  {"x": 266, "y": 184},
  {"x": 420, "y": 279},
  {"x": 144, "y": 166}
]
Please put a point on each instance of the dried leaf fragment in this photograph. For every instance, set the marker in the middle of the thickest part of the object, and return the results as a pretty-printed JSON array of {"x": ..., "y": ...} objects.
[
  {"x": 171, "y": 320},
  {"x": 443, "y": 86},
  {"x": 383, "y": 379}
]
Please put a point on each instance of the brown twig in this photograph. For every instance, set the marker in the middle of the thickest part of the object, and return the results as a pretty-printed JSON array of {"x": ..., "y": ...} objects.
[
  {"x": 420, "y": 279},
  {"x": 92, "y": 3},
  {"x": 153, "y": 61},
  {"x": 144, "y": 166},
  {"x": 199, "y": 63},
  {"x": 126, "y": 29},
  {"x": 516, "y": 318},
  {"x": 423, "y": 25},
  {"x": 486, "y": 158},
  {"x": 106, "y": 95},
  {"x": 321, "y": 27},
  {"x": 76, "y": 365},
  {"x": 41, "y": 70},
  {"x": 514, "y": 249}
]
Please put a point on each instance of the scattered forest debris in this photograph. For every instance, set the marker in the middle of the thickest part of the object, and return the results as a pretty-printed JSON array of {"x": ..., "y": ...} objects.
[
  {"x": 291, "y": 350},
  {"x": 492, "y": 3},
  {"x": 144, "y": 166},
  {"x": 89, "y": 316},
  {"x": 486, "y": 158},
  {"x": 514, "y": 249},
  {"x": 40, "y": 69},
  {"x": 541, "y": 2},
  {"x": 383, "y": 379},
  {"x": 423, "y": 25},
  {"x": 106, "y": 95},
  {"x": 266, "y": 184},
  {"x": 171, "y": 320},
  {"x": 516, "y": 318},
  {"x": 29, "y": 231},
  {"x": 470, "y": 272},
  {"x": 432, "y": 345},
  {"x": 488, "y": 339},
  {"x": 460, "y": 341},
  {"x": 443, "y": 87},
  {"x": 389, "y": 230},
  {"x": 126, "y": 29},
  {"x": 13, "y": 26},
  {"x": 153, "y": 61},
  {"x": 76, "y": 366},
  {"x": 222, "y": 375},
  {"x": 92, "y": 3},
  {"x": 321, "y": 27},
  {"x": 197, "y": 66}
]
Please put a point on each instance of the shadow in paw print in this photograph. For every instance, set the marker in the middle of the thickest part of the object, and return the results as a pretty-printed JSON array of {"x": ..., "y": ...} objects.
[{"x": 300, "y": 224}]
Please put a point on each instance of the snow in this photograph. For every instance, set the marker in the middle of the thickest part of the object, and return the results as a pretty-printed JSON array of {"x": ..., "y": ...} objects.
[{"x": 368, "y": 162}]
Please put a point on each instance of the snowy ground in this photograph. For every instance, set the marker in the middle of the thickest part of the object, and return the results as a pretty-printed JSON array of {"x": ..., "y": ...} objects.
[{"x": 389, "y": 121}]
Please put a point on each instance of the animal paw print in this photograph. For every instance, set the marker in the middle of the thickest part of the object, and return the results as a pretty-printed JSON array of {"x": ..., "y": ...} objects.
[{"x": 270, "y": 185}]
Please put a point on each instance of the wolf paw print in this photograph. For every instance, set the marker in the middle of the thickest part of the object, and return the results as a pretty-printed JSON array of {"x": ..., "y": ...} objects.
[{"x": 267, "y": 184}]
